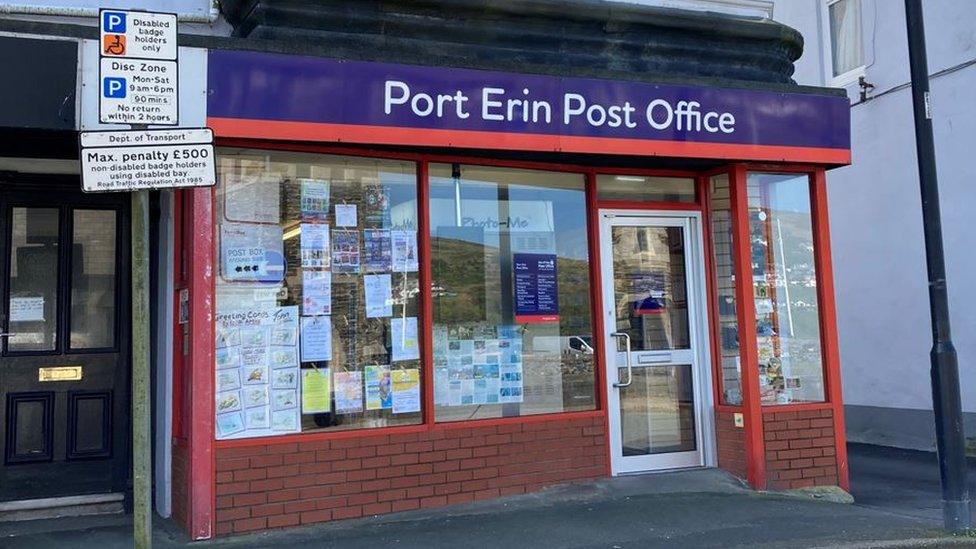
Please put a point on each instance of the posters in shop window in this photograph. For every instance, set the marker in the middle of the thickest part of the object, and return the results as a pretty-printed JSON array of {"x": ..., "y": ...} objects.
[
  {"x": 251, "y": 252},
  {"x": 379, "y": 387},
  {"x": 404, "y": 339},
  {"x": 346, "y": 215},
  {"x": 257, "y": 375},
  {"x": 479, "y": 364},
  {"x": 348, "y": 388},
  {"x": 536, "y": 289},
  {"x": 316, "y": 391},
  {"x": 315, "y": 246},
  {"x": 379, "y": 295},
  {"x": 405, "y": 254},
  {"x": 316, "y": 338},
  {"x": 314, "y": 199},
  {"x": 316, "y": 292},
  {"x": 406, "y": 391},
  {"x": 377, "y": 253},
  {"x": 345, "y": 251}
]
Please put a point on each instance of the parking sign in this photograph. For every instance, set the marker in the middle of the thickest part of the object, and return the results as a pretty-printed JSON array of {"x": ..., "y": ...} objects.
[
  {"x": 136, "y": 34},
  {"x": 138, "y": 68}
]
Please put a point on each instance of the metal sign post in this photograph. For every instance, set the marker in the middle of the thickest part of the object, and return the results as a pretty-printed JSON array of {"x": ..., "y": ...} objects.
[
  {"x": 946, "y": 402},
  {"x": 138, "y": 85},
  {"x": 141, "y": 420}
]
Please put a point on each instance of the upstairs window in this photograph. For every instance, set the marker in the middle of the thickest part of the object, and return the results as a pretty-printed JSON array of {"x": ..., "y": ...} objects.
[{"x": 846, "y": 51}]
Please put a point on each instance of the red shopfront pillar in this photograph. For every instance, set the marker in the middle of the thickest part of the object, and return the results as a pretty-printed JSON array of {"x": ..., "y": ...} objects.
[
  {"x": 745, "y": 310},
  {"x": 792, "y": 445},
  {"x": 193, "y": 469}
]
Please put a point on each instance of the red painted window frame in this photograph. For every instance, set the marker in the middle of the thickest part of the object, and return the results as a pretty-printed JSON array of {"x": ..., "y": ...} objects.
[{"x": 751, "y": 408}]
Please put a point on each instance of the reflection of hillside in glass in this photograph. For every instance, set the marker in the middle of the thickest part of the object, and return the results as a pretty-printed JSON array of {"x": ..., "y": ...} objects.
[
  {"x": 787, "y": 319},
  {"x": 467, "y": 284},
  {"x": 800, "y": 271}
]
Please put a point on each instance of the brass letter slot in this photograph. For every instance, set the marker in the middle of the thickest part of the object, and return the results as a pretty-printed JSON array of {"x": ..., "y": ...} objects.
[{"x": 59, "y": 373}]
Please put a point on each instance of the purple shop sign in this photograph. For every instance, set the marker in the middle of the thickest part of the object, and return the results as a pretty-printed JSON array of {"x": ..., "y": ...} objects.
[{"x": 297, "y": 97}]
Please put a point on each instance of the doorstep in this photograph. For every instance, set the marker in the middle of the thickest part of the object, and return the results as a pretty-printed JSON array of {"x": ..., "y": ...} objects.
[{"x": 69, "y": 506}]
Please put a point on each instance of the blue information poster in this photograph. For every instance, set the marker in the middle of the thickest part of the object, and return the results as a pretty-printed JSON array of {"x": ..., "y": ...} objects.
[{"x": 536, "y": 291}]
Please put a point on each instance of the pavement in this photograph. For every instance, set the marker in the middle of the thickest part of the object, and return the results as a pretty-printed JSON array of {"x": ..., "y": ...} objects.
[
  {"x": 902, "y": 482},
  {"x": 896, "y": 493}
]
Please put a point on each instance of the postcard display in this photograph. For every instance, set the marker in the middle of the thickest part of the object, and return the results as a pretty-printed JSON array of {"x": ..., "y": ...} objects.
[
  {"x": 276, "y": 364},
  {"x": 477, "y": 365}
]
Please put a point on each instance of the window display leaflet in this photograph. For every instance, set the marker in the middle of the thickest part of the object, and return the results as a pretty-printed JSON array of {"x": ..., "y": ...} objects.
[
  {"x": 315, "y": 245},
  {"x": 316, "y": 292},
  {"x": 314, "y": 199},
  {"x": 379, "y": 295},
  {"x": 316, "y": 338}
]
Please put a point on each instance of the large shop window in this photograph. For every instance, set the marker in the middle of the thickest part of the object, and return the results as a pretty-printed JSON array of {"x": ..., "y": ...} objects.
[
  {"x": 785, "y": 289},
  {"x": 511, "y": 292},
  {"x": 317, "y": 294}
]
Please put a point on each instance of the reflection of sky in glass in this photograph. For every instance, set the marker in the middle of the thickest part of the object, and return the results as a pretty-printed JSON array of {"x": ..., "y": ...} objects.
[
  {"x": 402, "y": 190},
  {"x": 786, "y": 192},
  {"x": 568, "y": 207}
]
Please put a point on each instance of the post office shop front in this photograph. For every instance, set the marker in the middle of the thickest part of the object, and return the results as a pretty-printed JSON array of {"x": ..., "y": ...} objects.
[{"x": 416, "y": 286}]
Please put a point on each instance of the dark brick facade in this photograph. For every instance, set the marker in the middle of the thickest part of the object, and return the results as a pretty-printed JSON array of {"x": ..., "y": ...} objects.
[{"x": 286, "y": 484}]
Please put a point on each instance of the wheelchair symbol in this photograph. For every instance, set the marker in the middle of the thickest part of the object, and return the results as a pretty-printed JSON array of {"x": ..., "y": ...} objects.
[{"x": 114, "y": 44}]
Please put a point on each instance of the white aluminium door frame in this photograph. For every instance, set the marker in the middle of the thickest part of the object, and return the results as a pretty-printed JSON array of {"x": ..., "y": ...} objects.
[{"x": 698, "y": 355}]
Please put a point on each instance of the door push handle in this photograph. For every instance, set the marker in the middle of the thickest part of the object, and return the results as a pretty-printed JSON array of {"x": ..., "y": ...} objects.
[{"x": 630, "y": 370}]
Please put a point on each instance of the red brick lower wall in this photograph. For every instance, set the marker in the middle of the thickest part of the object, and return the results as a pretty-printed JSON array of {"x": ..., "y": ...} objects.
[
  {"x": 179, "y": 486},
  {"x": 731, "y": 442},
  {"x": 286, "y": 484},
  {"x": 800, "y": 449}
]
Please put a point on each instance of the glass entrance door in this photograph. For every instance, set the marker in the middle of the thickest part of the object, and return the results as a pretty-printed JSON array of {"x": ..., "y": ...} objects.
[{"x": 652, "y": 296}]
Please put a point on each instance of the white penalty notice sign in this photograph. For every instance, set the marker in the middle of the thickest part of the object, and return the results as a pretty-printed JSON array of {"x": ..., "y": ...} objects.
[{"x": 147, "y": 159}]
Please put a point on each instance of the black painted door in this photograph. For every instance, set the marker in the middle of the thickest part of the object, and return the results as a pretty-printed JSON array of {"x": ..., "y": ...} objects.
[{"x": 64, "y": 317}]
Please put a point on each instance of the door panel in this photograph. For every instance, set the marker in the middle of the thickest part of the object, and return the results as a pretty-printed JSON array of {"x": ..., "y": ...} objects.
[
  {"x": 29, "y": 435},
  {"x": 64, "y": 371},
  {"x": 654, "y": 346},
  {"x": 657, "y": 411}
]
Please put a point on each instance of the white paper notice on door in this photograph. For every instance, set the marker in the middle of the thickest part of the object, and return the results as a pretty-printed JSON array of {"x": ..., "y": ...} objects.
[{"x": 27, "y": 309}]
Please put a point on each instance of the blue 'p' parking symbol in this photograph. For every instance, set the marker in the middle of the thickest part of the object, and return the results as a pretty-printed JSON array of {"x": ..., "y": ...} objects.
[
  {"x": 113, "y": 21},
  {"x": 114, "y": 88}
]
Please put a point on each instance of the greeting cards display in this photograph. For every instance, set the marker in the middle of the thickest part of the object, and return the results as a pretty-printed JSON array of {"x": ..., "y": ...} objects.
[{"x": 257, "y": 375}]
